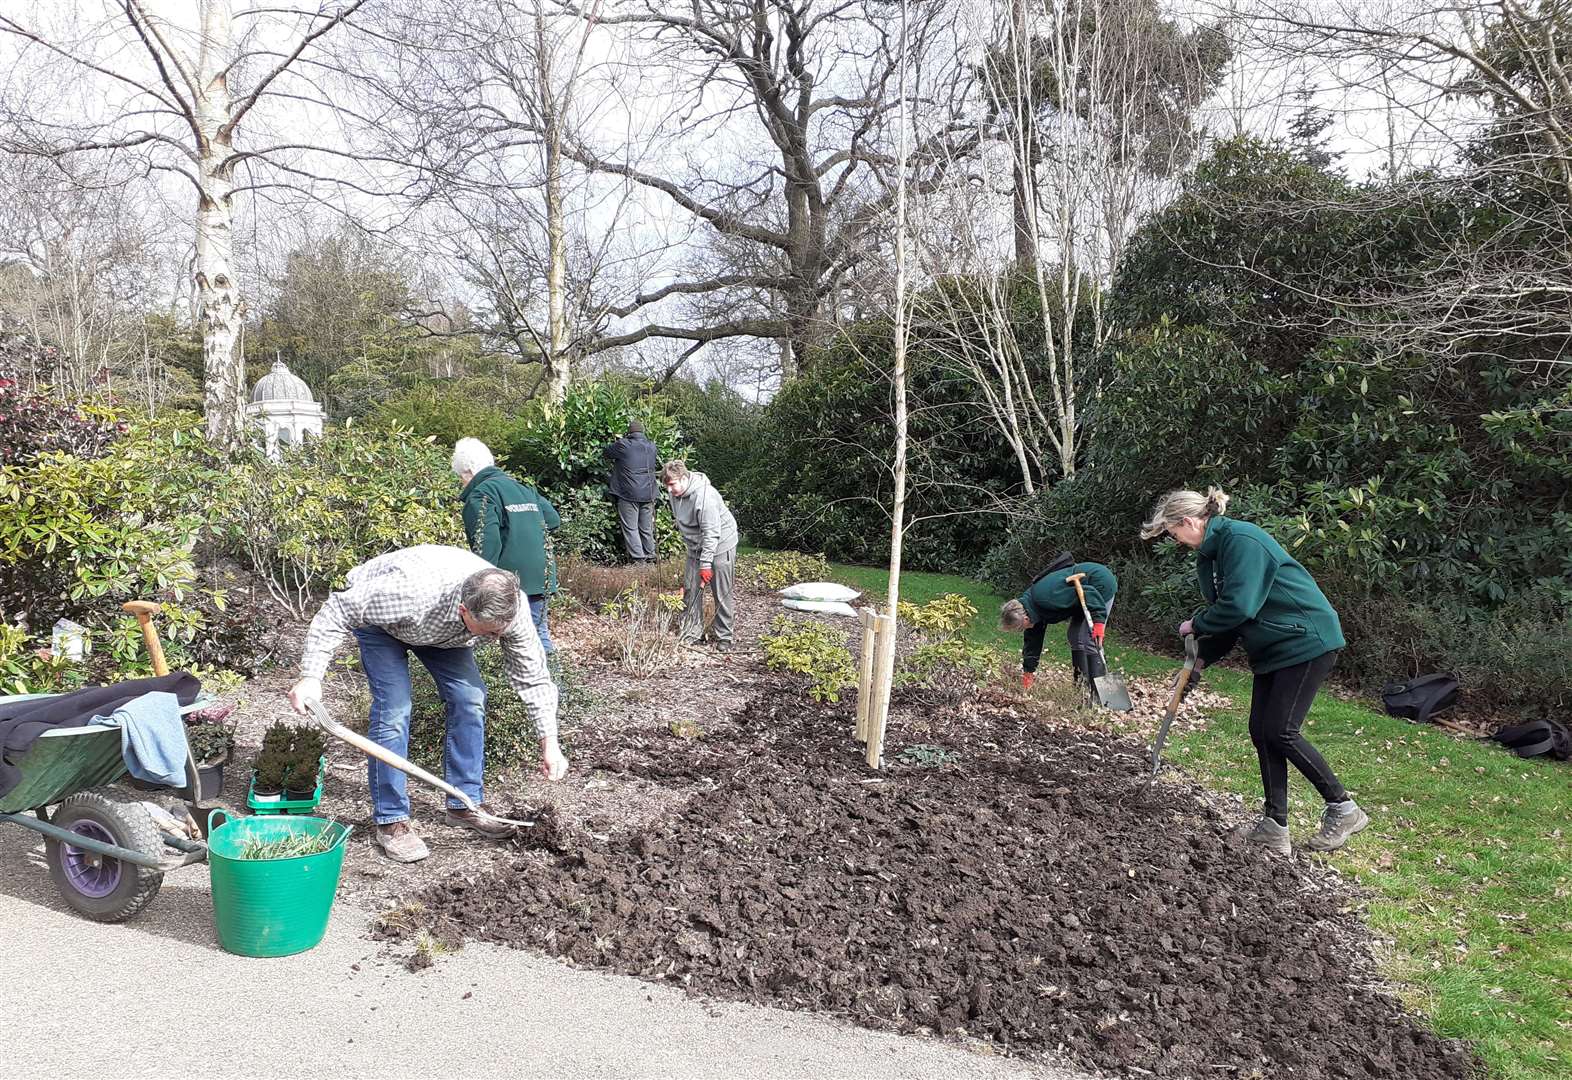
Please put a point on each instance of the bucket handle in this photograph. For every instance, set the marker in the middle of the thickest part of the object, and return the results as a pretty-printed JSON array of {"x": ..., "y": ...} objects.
[
  {"x": 211, "y": 825},
  {"x": 343, "y": 837}
]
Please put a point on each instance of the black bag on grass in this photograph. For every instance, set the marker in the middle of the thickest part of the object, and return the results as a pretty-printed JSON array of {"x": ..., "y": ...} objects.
[
  {"x": 1419, "y": 697},
  {"x": 1537, "y": 737}
]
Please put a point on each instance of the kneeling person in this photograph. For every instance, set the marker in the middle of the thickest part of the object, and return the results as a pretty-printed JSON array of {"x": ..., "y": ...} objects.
[
  {"x": 437, "y": 603},
  {"x": 1052, "y": 598}
]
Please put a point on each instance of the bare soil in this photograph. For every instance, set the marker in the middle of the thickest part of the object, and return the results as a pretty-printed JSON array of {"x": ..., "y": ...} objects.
[{"x": 1008, "y": 878}]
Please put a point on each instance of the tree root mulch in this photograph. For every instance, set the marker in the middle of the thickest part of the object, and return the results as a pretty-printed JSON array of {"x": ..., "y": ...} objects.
[{"x": 996, "y": 880}]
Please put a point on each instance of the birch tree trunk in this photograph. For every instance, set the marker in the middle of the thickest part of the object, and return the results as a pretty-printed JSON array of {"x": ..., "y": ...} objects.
[
  {"x": 558, "y": 364},
  {"x": 884, "y": 677},
  {"x": 218, "y": 296},
  {"x": 175, "y": 111}
]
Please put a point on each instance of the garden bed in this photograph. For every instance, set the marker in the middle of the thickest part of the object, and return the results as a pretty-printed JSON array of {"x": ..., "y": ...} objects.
[{"x": 999, "y": 879}]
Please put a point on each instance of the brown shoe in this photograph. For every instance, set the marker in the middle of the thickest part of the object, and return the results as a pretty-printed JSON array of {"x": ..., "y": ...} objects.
[
  {"x": 489, "y": 827},
  {"x": 399, "y": 842}
]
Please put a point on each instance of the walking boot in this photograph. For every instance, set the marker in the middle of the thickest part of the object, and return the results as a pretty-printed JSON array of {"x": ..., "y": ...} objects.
[
  {"x": 1269, "y": 836},
  {"x": 399, "y": 842},
  {"x": 483, "y": 823},
  {"x": 1339, "y": 821}
]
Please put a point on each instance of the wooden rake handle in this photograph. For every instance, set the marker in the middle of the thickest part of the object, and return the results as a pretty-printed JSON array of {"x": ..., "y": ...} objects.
[{"x": 144, "y": 610}]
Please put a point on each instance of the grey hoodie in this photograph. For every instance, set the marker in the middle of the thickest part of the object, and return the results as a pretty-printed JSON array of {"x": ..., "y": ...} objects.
[{"x": 707, "y": 527}]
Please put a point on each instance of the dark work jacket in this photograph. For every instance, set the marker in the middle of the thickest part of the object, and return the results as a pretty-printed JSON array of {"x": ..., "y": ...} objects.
[
  {"x": 633, "y": 462},
  {"x": 506, "y": 523},
  {"x": 23, "y": 721},
  {"x": 1052, "y": 599},
  {"x": 1259, "y": 597}
]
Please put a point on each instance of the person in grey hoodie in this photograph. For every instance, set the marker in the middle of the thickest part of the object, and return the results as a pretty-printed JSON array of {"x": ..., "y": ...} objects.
[{"x": 710, "y": 534}]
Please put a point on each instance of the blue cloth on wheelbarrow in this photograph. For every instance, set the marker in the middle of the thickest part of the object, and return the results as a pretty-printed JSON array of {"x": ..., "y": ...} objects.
[
  {"x": 23, "y": 721},
  {"x": 152, "y": 737}
]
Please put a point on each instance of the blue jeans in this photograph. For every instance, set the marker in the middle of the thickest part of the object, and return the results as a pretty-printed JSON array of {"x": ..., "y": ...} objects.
[
  {"x": 386, "y": 663},
  {"x": 537, "y": 612}
]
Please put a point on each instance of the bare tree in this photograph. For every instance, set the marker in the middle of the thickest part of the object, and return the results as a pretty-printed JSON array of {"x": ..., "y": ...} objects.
[
  {"x": 884, "y": 674},
  {"x": 1081, "y": 116},
  {"x": 169, "y": 96},
  {"x": 481, "y": 100},
  {"x": 1496, "y": 199},
  {"x": 777, "y": 146},
  {"x": 76, "y": 264}
]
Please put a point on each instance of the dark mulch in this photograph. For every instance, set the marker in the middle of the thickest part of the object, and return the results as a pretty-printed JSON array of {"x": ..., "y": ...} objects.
[{"x": 1025, "y": 889}]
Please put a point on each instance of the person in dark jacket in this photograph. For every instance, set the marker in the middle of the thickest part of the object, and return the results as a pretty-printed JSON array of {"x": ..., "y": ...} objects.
[
  {"x": 632, "y": 481},
  {"x": 1051, "y": 598},
  {"x": 1259, "y": 597},
  {"x": 506, "y": 523}
]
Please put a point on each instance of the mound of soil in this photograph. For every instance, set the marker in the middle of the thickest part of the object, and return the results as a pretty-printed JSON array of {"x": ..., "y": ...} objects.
[{"x": 998, "y": 880}]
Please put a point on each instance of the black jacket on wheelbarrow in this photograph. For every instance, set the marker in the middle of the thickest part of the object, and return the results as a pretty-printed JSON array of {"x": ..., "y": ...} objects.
[{"x": 21, "y": 722}]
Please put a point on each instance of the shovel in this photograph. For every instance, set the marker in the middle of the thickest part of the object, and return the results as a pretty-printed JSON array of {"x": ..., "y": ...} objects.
[
  {"x": 1191, "y": 654},
  {"x": 1110, "y": 687},
  {"x": 383, "y": 754}
]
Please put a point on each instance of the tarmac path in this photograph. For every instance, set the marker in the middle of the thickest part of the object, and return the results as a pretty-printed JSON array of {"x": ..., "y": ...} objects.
[{"x": 156, "y": 997}]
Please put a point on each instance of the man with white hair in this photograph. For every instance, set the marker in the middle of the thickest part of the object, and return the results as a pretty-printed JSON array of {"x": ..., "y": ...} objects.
[
  {"x": 506, "y": 523},
  {"x": 437, "y": 603}
]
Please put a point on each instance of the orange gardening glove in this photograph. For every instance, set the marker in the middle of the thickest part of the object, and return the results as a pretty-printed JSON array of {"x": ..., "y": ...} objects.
[
  {"x": 1098, "y": 630},
  {"x": 705, "y": 575},
  {"x": 1027, "y": 678}
]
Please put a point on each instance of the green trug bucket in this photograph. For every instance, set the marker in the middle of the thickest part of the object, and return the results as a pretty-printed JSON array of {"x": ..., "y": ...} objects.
[{"x": 272, "y": 907}]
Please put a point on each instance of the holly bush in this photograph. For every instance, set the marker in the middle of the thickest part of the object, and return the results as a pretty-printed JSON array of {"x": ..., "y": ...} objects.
[
  {"x": 775, "y": 570},
  {"x": 942, "y": 617},
  {"x": 557, "y": 448}
]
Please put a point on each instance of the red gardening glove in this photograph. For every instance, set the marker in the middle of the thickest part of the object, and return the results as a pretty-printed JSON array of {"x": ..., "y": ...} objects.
[
  {"x": 1098, "y": 630},
  {"x": 705, "y": 575},
  {"x": 1027, "y": 678}
]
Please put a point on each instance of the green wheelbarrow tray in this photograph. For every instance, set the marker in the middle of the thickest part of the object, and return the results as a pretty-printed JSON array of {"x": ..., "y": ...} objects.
[{"x": 106, "y": 853}]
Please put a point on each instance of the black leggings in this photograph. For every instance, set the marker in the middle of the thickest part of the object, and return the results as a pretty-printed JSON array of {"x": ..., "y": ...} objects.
[{"x": 1278, "y": 706}]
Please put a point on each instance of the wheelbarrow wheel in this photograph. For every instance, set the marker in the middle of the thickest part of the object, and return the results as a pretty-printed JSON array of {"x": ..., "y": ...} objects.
[{"x": 102, "y": 887}]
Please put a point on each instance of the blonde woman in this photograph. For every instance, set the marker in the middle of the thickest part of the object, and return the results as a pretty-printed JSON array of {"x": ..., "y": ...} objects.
[{"x": 1258, "y": 597}]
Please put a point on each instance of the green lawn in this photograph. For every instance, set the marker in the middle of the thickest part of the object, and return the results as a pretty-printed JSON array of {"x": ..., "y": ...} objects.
[{"x": 1467, "y": 862}]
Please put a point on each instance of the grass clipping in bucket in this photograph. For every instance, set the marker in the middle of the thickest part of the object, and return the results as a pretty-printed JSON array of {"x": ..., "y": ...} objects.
[{"x": 288, "y": 847}]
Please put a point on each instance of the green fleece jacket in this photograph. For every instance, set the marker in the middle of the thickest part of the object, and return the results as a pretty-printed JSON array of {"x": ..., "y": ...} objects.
[
  {"x": 506, "y": 523},
  {"x": 1051, "y": 599},
  {"x": 1259, "y": 597}
]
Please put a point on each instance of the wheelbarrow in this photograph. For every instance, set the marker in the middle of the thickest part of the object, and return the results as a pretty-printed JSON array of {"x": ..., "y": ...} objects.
[{"x": 106, "y": 853}]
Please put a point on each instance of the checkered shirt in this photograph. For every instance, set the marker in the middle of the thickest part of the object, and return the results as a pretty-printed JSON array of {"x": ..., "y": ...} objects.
[{"x": 413, "y": 595}]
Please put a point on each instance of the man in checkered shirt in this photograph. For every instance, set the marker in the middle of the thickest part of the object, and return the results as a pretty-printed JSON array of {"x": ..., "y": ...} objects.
[{"x": 438, "y": 603}]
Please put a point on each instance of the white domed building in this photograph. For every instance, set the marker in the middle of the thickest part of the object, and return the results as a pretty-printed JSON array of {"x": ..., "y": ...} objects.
[{"x": 282, "y": 405}]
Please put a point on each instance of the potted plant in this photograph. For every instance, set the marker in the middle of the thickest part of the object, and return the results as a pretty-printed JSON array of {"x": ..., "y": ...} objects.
[
  {"x": 300, "y": 782},
  {"x": 288, "y": 769},
  {"x": 278, "y": 737},
  {"x": 267, "y": 782},
  {"x": 311, "y": 742},
  {"x": 212, "y": 745}
]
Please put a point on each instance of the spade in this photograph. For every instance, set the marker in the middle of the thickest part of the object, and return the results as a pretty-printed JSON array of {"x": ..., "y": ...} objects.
[{"x": 1110, "y": 687}]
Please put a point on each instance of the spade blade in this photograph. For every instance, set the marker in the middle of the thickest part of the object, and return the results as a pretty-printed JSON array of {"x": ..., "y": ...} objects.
[{"x": 1112, "y": 692}]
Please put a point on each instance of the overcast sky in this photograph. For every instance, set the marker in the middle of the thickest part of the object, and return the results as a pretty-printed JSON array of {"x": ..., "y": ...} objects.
[{"x": 630, "y": 98}]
